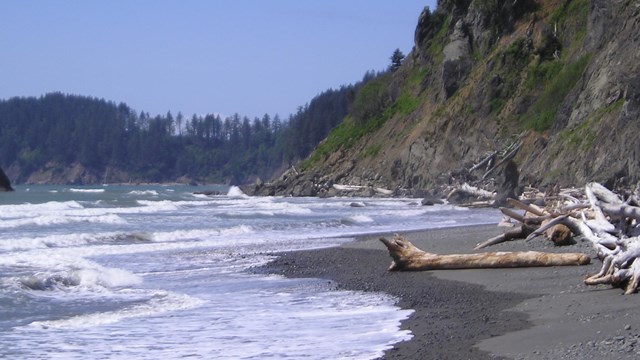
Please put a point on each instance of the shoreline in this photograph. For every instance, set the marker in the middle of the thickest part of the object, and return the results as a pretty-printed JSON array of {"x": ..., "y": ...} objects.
[
  {"x": 463, "y": 313},
  {"x": 522, "y": 313}
]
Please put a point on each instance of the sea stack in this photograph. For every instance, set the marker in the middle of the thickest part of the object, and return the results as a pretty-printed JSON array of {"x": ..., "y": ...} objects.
[{"x": 5, "y": 184}]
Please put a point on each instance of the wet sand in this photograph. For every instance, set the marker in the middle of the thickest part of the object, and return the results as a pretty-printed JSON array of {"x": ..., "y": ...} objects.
[{"x": 525, "y": 313}]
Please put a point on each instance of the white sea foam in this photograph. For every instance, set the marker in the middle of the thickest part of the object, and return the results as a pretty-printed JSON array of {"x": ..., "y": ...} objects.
[
  {"x": 201, "y": 234},
  {"x": 84, "y": 279},
  {"x": 162, "y": 205},
  {"x": 235, "y": 192},
  {"x": 87, "y": 190},
  {"x": 54, "y": 213},
  {"x": 51, "y": 219},
  {"x": 362, "y": 219},
  {"x": 264, "y": 206},
  {"x": 143, "y": 192},
  {"x": 107, "y": 277},
  {"x": 159, "y": 303},
  {"x": 166, "y": 205},
  {"x": 22, "y": 210},
  {"x": 44, "y": 242}
]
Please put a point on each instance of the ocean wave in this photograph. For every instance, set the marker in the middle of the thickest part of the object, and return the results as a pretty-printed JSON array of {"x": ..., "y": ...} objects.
[
  {"x": 235, "y": 192},
  {"x": 46, "y": 220},
  {"x": 86, "y": 190},
  {"x": 86, "y": 278},
  {"x": 362, "y": 219},
  {"x": 59, "y": 241},
  {"x": 143, "y": 192},
  {"x": 166, "y": 205},
  {"x": 162, "y": 205},
  {"x": 237, "y": 230},
  {"x": 159, "y": 303},
  {"x": 91, "y": 278},
  {"x": 44, "y": 242},
  {"x": 201, "y": 234},
  {"x": 25, "y": 210},
  {"x": 265, "y": 207}
]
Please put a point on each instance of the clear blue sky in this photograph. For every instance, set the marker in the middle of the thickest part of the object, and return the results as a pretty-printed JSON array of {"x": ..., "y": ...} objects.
[{"x": 199, "y": 56}]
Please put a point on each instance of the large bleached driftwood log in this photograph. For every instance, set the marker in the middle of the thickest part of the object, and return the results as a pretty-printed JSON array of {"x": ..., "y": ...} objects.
[{"x": 407, "y": 257}]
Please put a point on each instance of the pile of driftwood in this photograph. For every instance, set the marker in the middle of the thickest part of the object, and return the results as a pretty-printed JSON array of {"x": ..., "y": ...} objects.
[
  {"x": 610, "y": 222},
  {"x": 475, "y": 186}
]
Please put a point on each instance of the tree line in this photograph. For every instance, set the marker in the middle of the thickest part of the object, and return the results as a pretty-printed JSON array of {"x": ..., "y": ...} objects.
[{"x": 67, "y": 129}]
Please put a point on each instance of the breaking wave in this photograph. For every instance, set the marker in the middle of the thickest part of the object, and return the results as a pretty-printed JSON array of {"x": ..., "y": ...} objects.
[
  {"x": 160, "y": 302},
  {"x": 87, "y": 190},
  {"x": 88, "y": 278},
  {"x": 144, "y": 192}
]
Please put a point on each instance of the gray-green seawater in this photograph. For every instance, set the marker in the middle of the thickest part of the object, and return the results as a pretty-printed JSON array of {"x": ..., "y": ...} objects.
[{"x": 150, "y": 272}]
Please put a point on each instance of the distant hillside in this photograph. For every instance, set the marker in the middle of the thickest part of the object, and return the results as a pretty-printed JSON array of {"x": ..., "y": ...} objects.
[
  {"x": 69, "y": 139},
  {"x": 561, "y": 76}
]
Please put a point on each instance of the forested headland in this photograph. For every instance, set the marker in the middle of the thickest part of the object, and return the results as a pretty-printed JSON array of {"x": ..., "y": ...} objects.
[{"x": 115, "y": 143}]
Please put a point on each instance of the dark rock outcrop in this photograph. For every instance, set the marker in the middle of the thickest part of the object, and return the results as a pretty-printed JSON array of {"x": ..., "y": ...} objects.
[
  {"x": 457, "y": 60},
  {"x": 507, "y": 186},
  {"x": 431, "y": 200},
  {"x": 5, "y": 184}
]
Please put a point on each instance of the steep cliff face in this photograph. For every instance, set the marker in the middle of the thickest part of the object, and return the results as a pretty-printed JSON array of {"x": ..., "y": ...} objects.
[{"x": 562, "y": 76}]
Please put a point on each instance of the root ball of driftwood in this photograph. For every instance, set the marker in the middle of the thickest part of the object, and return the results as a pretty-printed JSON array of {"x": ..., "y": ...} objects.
[{"x": 560, "y": 235}]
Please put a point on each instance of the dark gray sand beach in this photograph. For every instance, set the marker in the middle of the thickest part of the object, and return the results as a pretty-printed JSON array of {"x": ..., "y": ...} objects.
[{"x": 525, "y": 313}]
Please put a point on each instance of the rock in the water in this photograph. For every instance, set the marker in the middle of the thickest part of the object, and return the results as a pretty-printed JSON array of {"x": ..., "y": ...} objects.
[
  {"x": 431, "y": 200},
  {"x": 5, "y": 184},
  {"x": 209, "y": 193}
]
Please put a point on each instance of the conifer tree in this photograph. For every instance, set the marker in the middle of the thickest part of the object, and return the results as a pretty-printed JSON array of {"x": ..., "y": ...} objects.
[{"x": 396, "y": 60}]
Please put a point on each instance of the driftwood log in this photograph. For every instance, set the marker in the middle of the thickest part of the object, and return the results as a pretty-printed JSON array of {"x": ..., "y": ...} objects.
[
  {"x": 407, "y": 257},
  {"x": 467, "y": 190}
]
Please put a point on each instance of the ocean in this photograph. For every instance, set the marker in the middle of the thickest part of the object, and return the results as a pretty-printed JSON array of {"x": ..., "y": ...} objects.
[{"x": 158, "y": 272}]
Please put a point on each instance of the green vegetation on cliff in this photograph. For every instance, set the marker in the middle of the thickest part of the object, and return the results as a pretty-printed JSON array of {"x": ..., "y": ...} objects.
[{"x": 556, "y": 80}]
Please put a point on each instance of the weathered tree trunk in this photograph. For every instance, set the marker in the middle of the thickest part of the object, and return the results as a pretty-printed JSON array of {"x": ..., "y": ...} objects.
[
  {"x": 519, "y": 232},
  {"x": 466, "y": 190},
  {"x": 407, "y": 257}
]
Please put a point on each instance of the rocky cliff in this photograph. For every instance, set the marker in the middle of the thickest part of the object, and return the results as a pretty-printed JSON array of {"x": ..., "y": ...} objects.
[{"x": 561, "y": 77}]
